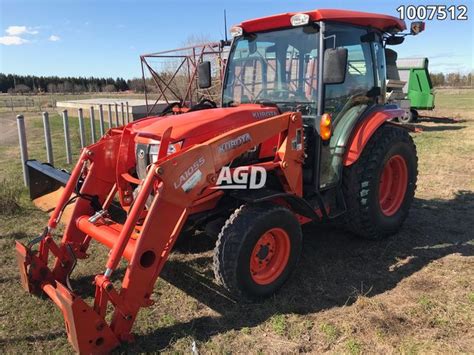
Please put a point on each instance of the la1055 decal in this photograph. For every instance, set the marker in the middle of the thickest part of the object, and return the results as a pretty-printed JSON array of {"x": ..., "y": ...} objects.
[{"x": 433, "y": 12}]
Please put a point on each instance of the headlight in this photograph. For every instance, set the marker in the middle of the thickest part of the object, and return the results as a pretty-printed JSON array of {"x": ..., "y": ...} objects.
[
  {"x": 155, "y": 148},
  {"x": 299, "y": 19},
  {"x": 236, "y": 31}
]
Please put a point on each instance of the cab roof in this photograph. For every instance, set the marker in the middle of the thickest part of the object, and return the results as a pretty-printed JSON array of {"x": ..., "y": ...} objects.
[{"x": 378, "y": 21}]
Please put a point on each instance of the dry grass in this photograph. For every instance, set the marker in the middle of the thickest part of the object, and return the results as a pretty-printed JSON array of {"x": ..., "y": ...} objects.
[
  {"x": 412, "y": 293},
  {"x": 9, "y": 198}
]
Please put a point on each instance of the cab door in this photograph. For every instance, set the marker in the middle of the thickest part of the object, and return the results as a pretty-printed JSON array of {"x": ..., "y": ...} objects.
[{"x": 346, "y": 101}]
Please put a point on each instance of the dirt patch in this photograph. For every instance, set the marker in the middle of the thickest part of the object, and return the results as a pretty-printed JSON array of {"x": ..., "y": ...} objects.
[{"x": 8, "y": 131}]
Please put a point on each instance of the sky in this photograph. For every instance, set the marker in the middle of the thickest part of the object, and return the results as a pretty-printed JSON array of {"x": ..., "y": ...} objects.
[{"x": 105, "y": 38}]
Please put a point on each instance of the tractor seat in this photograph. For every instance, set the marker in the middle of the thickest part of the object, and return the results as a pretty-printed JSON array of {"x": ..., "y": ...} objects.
[{"x": 394, "y": 84}]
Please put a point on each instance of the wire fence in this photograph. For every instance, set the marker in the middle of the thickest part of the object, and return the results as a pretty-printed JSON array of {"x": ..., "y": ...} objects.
[{"x": 117, "y": 115}]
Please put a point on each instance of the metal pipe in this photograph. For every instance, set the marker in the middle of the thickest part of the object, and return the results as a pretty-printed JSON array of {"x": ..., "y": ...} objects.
[
  {"x": 92, "y": 124},
  {"x": 122, "y": 113},
  {"x": 109, "y": 116},
  {"x": 101, "y": 120},
  {"x": 116, "y": 115},
  {"x": 20, "y": 121},
  {"x": 105, "y": 235},
  {"x": 67, "y": 139},
  {"x": 320, "y": 109},
  {"x": 82, "y": 133},
  {"x": 321, "y": 70},
  {"x": 144, "y": 86},
  {"x": 128, "y": 112},
  {"x": 47, "y": 139}
]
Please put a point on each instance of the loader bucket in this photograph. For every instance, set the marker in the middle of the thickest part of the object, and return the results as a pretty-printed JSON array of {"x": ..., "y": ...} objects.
[
  {"x": 46, "y": 186},
  {"x": 44, "y": 178}
]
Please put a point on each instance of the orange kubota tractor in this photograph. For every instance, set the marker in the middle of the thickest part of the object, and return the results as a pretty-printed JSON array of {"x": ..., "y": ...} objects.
[{"x": 304, "y": 134}]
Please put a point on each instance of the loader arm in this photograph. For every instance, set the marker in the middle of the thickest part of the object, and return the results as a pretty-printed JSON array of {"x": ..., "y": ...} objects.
[{"x": 176, "y": 183}]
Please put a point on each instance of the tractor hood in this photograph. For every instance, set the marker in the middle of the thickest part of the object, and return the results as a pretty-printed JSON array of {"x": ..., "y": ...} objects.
[{"x": 199, "y": 126}]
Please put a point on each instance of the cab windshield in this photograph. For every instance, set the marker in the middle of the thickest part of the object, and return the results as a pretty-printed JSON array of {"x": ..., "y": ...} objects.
[{"x": 278, "y": 67}]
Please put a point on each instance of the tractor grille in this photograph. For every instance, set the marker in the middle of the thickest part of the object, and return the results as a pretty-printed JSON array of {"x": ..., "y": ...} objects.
[{"x": 143, "y": 159}]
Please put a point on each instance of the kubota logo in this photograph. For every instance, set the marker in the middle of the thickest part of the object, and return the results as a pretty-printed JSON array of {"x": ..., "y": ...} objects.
[
  {"x": 234, "y": 143},
  {"x": 243, "y": 177},
  {"x": 263, "y": 114}
]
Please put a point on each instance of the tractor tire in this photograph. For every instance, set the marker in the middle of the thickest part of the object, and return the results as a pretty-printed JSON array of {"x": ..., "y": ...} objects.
[
  {"x": 256, "y": 250},
  {"x": 379, "y": 188},
  {"x": 412, "y": 117}
]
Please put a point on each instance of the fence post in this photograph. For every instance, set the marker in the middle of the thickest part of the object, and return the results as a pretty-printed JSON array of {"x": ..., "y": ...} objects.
[
  {"x": 20, "y": 121},
  {"x": 101, "y": 120},
  {"x": 82, "y": 133},
  {"x": 116, "y": 115},
  {"x": 47, "y": 139},
  {"x": 128, "y": 112},
  {"x": 67, "y": 140},
  {"x": 110, "y": 116},
  {"x": 11, "y": 103},
  {"x": 92, "y": 124},
  {"x": 122, "y": 113}
]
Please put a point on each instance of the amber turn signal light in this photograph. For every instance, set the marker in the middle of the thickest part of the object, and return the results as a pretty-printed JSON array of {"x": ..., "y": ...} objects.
[{"x": 325, "y": 127}]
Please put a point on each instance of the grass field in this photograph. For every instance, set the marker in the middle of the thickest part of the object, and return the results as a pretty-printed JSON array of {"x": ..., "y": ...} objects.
[{"x": 412, "y": 293}]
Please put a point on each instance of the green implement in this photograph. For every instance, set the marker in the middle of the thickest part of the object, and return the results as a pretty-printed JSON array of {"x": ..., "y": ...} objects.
[{"x": 418, "y": 87}]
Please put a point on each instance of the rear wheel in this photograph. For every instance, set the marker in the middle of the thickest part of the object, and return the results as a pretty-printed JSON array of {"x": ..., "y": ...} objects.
[
  {"x": 379, "y": 188},
  {"x": 257, "y": 249}
]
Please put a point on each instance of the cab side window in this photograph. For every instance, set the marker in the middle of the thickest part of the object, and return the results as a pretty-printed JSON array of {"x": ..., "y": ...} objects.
[{"x": 359, "y": 75}]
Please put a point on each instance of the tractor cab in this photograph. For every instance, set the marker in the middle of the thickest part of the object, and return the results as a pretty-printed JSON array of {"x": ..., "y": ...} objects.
[{"x": 327, "y": 64}]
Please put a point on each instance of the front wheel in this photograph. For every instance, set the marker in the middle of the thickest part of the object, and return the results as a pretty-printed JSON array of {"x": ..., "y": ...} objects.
[
  {"x": 257, "y": 249},
  {"x": 379, "y": 188}
]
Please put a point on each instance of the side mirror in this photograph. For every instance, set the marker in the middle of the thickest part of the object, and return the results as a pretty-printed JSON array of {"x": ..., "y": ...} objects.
[
  {"x": 204, "y": 75},
  {"x": 335, "y": 65},
  {"x": 417, "y": 27},
  {"x": 394, "y": 40}
]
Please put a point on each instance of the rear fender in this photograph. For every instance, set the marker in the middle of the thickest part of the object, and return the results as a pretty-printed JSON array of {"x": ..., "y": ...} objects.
[{"x": 364, "y": 131}]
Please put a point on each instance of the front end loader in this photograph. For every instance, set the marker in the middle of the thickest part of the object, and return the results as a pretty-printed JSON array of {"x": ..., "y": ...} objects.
[
  {"x": 170, "y": 189},
  {"x": 304, "y": 134}
]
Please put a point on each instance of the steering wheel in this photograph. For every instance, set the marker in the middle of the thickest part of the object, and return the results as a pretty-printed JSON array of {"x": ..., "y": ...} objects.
[
  {"x": 204, "y": 104},
  {"x": 169, "y": 109},
  {"x": 294, "y": 92},
  {"x": 207, "y": 102}
]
